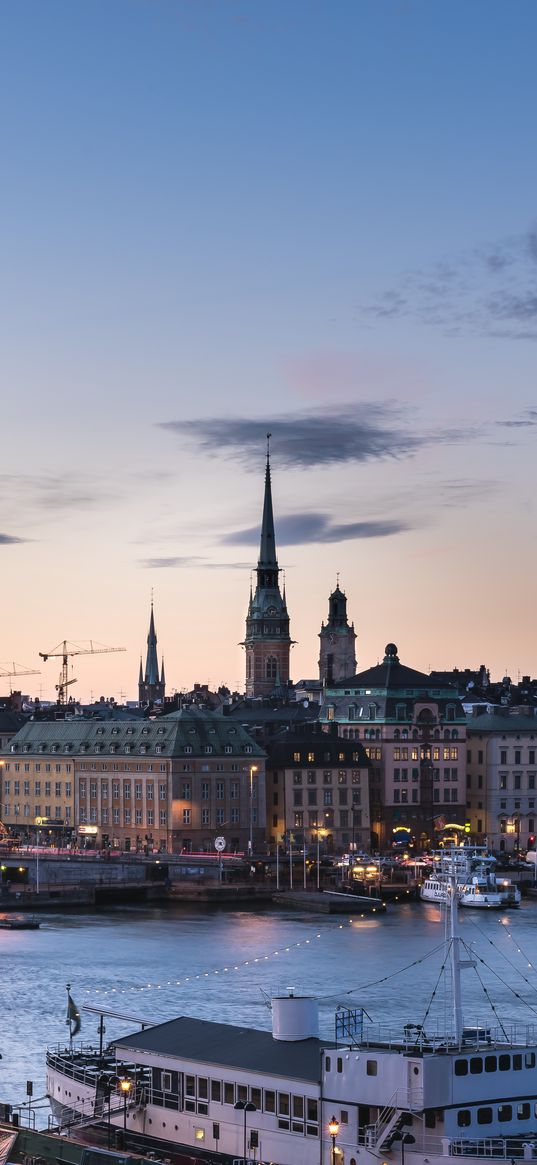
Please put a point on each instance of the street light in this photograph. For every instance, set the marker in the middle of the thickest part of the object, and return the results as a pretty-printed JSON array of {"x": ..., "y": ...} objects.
[
  {"x": 333, "y": 1129},
  {"x": 253, "y": 769},
  {"x": 245, "y": 1106},
  {"x": 125, "y": 1086},
  {"x": 405, "y": 1139}
]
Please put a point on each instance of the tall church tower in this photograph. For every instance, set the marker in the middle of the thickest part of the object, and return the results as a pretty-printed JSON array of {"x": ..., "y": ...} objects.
[
  {"x": 337, "y": 658},
  {"x": 267, "y": 641},
  {"x": 151, "y": 688}
]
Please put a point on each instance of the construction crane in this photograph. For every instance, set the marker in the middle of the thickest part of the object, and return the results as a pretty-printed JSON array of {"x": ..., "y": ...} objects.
[
  {"x": 64, "y": 651},
  {"x": 8, "y": 670}
]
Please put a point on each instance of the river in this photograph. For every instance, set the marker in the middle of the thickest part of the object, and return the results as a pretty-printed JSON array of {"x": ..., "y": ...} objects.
[{"x": 224, "y": 965}]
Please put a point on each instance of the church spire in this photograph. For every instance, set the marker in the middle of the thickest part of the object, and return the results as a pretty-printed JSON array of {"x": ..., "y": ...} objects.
[
  {"x": 267, "y": 551},
  {"x": 267, "y": 641},
  {"x": 151, "y": 685}
]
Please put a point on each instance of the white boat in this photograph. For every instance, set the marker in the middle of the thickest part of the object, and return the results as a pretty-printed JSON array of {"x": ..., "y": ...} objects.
[
  {"x": 190, "y": 1090},
  {"x": 474, "y": 873}
]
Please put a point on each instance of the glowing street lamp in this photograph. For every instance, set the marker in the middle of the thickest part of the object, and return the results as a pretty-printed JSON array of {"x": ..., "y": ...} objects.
[
  {"x": 253, "y": 769},
  {"x": 125, "y": 1087},
  {"x": 333, "y": 1129}
]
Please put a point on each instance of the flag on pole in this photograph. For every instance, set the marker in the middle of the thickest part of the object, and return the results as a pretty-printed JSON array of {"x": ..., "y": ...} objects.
[{"x": 73, "y": 1016}]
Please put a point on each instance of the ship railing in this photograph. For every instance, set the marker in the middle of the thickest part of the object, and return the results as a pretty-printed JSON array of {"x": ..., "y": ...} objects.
[
  {"x": 476, "y": 1035},
  {"x": 494, "y": 1148}
]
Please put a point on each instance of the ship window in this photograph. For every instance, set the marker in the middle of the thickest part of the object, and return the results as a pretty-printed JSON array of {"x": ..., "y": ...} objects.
[
  {"x": 504, "y": 1063},
  {"x": 461, "y": 1067},
  {"x": 203, "y": 1088},
  {"x": 523, "y": 1111},
  {"x": 484, "y": 1116},
  {"x": 505, "y": 1112},
  {"x": 298, "y": 1107},
  {"x": 312, "y": 1110},
  {"x": 491, "y": 1063},
  {"x": 529, "y": 1060},
  {"x": 517, "y": 1062},
  {"x": 242, "y": 1092},
  {"x": 190, "y": 1086},
  {"x": 202, "y": 1109},
  {"x": 371, "y": 1067},
  {"x": 339, "y": 1064},
  {"x": 476, "y": 1065},
  {"x": 430, "y": 1118},
  {"x": 167, "y": 1081},
  {"x": 312, "y": 1131},
  {"x": 327, "y": 1063},
  {"x": 229, "y": 1093},
  {"x": 270, "y": 1101},
  {"x": 216, "y": 1090},
  {"x": 255, "y": 1097},
  {"x": 464, "y": 1118},
  {"x": 283, "y": 1104},
  {"x": 344, "y": 1116}
]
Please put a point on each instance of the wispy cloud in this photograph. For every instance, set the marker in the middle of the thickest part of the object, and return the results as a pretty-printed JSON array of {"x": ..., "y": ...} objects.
[
  {"x": 297, "y": 529},
  {"x": 51, "y": 492},
  {"x": 317, "y": 437},
  {"x": 192, "y": 560},
  {"x": 10, "y": 540},
  {"x": 490, "y": 290},
  {"x": 528, "y": 420}
]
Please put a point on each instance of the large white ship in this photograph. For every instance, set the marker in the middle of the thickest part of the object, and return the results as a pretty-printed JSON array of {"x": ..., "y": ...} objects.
[
  {"x": 477, "y": 884},
  {"x": 190, "y": 1090}
]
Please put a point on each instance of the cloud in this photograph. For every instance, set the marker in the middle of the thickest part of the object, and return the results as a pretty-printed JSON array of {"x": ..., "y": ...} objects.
[
  {"x": 10, "y": 539},
  {"x": 299, "y": 529},
  {"x": 318, "y": 437},
  {"x": 51, "y": 492},
  {"x": 490, "y": 290},
  {"x": 189, "y": 560},
  {"x": 528, "y": 420}
]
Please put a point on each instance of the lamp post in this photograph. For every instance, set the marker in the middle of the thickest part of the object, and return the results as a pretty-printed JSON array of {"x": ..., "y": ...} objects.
[
  {"x": 253, "y": 769},
  {"x": 245, "y": 1106},
  {"x": 405, "y": 1139},
  {"x": 125, "y": 1085},
  {"x": 333, "y": 1129}
]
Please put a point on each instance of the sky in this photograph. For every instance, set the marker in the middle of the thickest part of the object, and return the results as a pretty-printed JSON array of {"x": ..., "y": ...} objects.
[{"x": 220, "y": 218}]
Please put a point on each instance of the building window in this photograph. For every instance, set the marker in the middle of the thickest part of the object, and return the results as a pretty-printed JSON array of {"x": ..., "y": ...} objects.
[{"x": 186, "y": 816}]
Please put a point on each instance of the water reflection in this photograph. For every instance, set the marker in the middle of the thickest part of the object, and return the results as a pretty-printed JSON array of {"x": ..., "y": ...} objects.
[{"x": 122, "y": 951}]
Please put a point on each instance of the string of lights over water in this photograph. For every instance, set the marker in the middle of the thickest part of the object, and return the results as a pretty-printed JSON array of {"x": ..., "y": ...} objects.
[{"x": 162, "y": 962}]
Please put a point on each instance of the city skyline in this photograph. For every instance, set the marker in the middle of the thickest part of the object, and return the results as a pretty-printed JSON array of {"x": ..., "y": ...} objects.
[{"x": 314, "y": 220}]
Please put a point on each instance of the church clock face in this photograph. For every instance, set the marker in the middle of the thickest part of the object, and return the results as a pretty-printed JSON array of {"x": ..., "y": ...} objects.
[{"x": 272, "y": 611}]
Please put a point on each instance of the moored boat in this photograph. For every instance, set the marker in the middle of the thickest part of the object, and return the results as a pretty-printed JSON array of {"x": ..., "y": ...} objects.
[{"x": 189, "y": 1088}]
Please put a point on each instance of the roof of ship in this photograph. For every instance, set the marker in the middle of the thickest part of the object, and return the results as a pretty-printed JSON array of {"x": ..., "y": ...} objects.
[{"x": 235, "y": 1047}]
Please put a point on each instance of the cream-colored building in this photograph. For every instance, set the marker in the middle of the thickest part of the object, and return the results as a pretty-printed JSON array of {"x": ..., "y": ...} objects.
[
  {"x": 501, "y": 766},
  {"x": 171, "y": 783}
]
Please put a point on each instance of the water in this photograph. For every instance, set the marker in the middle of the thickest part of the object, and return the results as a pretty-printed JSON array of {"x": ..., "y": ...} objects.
[{"x": 110, "y": 959}]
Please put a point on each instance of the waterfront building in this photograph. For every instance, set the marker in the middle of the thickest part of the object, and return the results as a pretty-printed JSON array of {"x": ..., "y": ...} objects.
[
  {"x": 414, "y": 732},
  {"x": 337, "y": 658},
  {"x": 317, "y": 790},
  {"x": 501, "y": 777},
  {"x": 151, "y": 682},
  {"x": 267, "y": 641},
  {"x": 170, "y": 783}
]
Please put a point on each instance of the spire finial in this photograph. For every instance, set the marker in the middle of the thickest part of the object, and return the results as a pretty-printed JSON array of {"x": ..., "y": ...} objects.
[
  {"x": 337, "y": 579},
  {"x": 269, "y": 435},
  {"x": 151, "y": 596}
]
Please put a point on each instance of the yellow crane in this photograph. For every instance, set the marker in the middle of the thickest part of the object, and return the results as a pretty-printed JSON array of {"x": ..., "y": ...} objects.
[{"x": 65, "y": 650}]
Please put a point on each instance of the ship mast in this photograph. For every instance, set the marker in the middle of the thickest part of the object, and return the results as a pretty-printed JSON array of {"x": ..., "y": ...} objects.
[{"x": 457, "y": 964}]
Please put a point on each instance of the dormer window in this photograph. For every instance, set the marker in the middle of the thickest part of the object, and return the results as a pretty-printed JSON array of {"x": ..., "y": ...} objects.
[
  {"x": 115, "y": 731},
  {"x": 145, "y": 731},
  {"x": 187, "y": 748},
  {"x": 130, "y": 731},
  {"x": 100, "y": 731},
  {"x": 247, "y": 748},
  {"x": 160, "y": 731},
  {"x": 372, "y": 711},
  {"x": 208, "y": 748},
  {"x": 228, "y": 748}
]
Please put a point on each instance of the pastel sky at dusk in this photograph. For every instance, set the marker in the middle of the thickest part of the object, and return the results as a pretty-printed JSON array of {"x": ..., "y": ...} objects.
[{"x": 222, "y": 217}]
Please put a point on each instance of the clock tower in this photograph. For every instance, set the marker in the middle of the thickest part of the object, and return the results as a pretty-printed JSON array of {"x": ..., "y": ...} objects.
[
  {"x": 267, "y": 641},
  {"x": 337, "y": 658}
]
